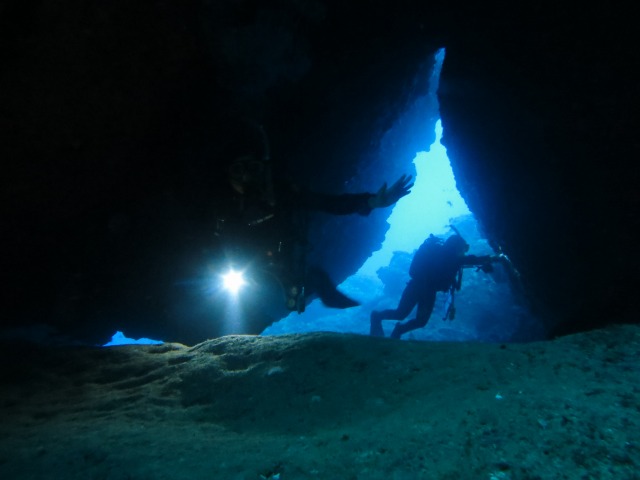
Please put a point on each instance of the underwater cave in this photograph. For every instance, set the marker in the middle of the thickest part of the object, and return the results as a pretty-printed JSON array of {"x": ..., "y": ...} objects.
[
  {"x": 117, "y": 121},
  {"x": 112, "y": 157}
]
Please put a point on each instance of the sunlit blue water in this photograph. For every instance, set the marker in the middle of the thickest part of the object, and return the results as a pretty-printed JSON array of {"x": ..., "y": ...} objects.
[
  {"x": 119, "y": 338},
  {"x": 433, "y": 201}
]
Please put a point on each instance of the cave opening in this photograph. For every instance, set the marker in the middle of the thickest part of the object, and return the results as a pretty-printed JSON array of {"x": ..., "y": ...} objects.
[{"x": 489, "y": 307}]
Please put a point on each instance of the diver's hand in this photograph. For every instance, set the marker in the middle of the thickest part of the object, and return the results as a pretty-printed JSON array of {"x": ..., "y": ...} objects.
[{"x": 388, "y": 196}]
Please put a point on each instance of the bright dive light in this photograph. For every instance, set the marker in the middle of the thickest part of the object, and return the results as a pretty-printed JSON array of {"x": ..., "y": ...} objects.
[{"x": 233, "y": 280}]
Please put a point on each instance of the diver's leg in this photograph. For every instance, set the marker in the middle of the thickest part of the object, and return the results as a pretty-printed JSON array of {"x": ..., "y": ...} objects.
[
  {"x": 408, "y": 300},
  {"x": 426, "y": 302},
  {"x": 375, "y": 329}
]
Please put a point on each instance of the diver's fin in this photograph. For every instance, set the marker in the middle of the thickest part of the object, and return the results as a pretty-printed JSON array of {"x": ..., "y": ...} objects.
[
  {"x": 320, "y": 283},
  {"x": 337, "y": 299}
]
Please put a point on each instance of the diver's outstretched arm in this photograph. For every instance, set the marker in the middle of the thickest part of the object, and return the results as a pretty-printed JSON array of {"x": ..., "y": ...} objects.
[{"x": 386, "y": 197}]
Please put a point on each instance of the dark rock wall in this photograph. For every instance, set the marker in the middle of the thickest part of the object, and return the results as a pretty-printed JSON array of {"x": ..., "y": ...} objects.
[
  {"x": 113, "y": 116},
  {"x": 538, "y": 106}
]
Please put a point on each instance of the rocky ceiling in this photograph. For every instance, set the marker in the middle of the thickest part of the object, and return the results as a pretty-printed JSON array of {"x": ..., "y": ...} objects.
[{"x": 113, "y": 116}]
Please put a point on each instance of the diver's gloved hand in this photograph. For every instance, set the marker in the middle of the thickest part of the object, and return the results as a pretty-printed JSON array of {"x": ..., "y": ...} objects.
[
  {"x": 388, "y": 196},
  {"x": 501, "y": 257}
]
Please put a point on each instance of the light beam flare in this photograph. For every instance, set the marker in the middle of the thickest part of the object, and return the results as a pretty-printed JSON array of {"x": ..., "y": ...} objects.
[{"x": 233, "y": 281}]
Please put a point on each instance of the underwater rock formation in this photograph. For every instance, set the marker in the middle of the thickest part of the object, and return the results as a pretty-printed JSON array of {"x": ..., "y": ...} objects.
[{"x": 114, "y": 115}]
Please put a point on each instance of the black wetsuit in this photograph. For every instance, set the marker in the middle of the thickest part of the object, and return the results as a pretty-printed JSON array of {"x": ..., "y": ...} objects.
[{"x": 270, "y": 232}]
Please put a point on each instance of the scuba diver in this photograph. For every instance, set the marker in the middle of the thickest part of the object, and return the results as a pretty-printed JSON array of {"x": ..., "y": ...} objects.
[
  {"x": 261, "y": 230},
  {"x": 436, "y": 267}
]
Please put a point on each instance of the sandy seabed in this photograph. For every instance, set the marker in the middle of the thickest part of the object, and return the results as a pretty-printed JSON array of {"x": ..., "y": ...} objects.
[{"x": 324, "y": 406}]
